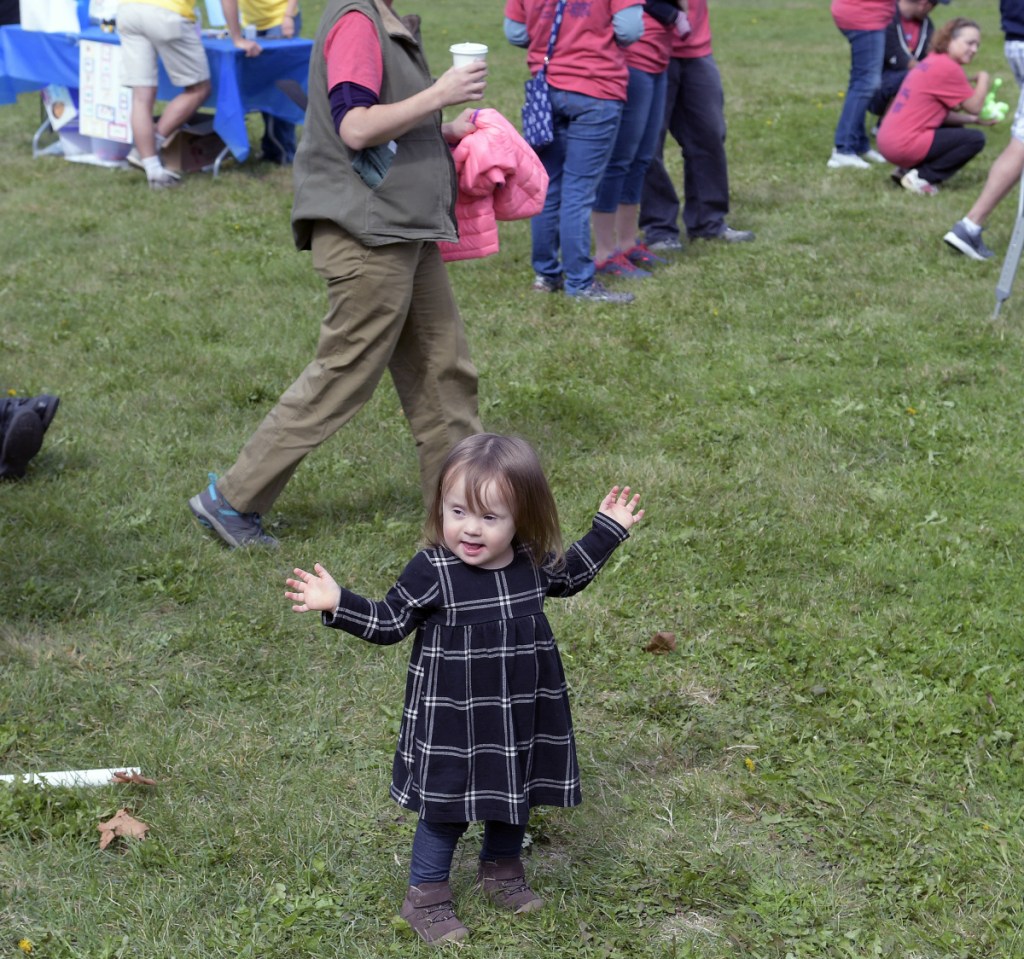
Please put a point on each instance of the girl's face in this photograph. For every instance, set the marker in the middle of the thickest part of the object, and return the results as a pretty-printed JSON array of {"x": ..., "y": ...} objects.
[
  {"x": 482, "y": 537},
  {"x": 964, "y": 45}
]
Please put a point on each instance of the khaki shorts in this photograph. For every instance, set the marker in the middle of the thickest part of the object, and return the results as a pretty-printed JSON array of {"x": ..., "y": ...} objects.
[{"x": 148, "y": 32}]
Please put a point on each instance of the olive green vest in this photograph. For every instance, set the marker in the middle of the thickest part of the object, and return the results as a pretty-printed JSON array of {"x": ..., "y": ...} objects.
[{"x": 391, "y": 193}]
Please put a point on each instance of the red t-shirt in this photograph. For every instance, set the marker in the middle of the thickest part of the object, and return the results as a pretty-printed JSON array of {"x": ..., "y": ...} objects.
[
  {"x": 352, "y": 52},
  {"x": 863, "y": 14},
  {"x": 933, "y": 88},
  {"x": 911, "y": 30},
  {"x": 698, "y": 43},
  {"x": 651, "y": 52},
  {"x": 587, "y": 59}
]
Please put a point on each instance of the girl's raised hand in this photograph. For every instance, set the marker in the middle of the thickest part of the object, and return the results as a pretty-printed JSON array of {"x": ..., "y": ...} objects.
[
  {"x": 618, "y": 505},
  {"x": 313, "y": 591}
]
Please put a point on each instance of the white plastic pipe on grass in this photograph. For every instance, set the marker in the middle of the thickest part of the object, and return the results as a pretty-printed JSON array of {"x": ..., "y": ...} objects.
[{"x": 74, "y": 777}]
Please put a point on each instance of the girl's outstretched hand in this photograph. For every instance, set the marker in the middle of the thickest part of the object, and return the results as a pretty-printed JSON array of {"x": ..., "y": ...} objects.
[
  {"x": 313, "y": 591},
  {"x": 618, "y": 505}
]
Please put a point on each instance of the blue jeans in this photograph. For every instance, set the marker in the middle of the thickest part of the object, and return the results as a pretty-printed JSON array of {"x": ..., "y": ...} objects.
[
  {"x": 434, "y": 846},
  {"x": 575, "y": 161},
  {"x": 636, "y": 142},
  {"x": 867, "y": 52},
  {"x": 278, "y": 143}
]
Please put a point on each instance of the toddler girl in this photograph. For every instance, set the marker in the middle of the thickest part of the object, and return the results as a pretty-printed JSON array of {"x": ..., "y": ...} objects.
[{"x": 486, "y": 732}]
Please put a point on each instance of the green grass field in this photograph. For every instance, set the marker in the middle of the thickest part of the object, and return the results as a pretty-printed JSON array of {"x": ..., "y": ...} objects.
[{"x": 826, "y": 426}]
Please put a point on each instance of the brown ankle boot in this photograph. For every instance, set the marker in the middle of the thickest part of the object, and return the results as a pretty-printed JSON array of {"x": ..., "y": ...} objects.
[
  {"x": 429, "y": 909},
  {"x": 504, "y": 883}
]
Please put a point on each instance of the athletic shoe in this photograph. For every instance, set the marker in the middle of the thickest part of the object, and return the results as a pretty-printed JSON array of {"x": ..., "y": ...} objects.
[
  {"x": 547, "y": 284},
  {"x": 236, "y": 529},
  {"x": 960, "y": 239},
  {"x": 734, "y": 236},
  {"x": 618, "y": 265},
  {"x": 897, "y": 175},
  {"x": 597, "y": 292},
  {"x": 640, "y": 255},
  {"x": 873, "y": 156},
  {"x": 913, "y": 182},
  {"x": 669, "y": 244},
  {"x": 164, "y": 179},
  {"x": 851, "y": 160},
  {"x": 134, "y": 159}
]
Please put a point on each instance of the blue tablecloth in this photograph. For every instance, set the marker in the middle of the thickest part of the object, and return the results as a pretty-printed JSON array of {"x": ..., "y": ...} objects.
[{"x": 31, "y": 60}]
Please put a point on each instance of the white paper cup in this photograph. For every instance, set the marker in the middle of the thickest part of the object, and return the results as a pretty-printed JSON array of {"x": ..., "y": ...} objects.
[{"x": 466, "y": 53}]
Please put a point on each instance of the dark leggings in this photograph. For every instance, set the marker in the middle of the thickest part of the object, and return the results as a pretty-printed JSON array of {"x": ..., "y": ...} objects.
[
  {"x": 952, "y": 149},
  {"x": 434, "y": 846}
]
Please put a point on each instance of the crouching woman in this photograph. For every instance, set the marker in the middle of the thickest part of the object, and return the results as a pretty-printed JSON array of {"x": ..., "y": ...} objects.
[{"x": 924, "y": 132}]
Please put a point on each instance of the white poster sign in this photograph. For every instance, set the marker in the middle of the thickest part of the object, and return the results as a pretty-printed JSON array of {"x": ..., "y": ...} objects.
[{"x": 104, "y": 104}]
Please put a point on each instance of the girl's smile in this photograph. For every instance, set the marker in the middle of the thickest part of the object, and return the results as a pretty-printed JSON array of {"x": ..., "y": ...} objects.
[{"x": 480, "y": 536}]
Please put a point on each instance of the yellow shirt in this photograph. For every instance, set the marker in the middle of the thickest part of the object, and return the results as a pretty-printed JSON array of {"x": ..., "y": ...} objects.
[
  {"x": 184, "y": 8},
  {"x": 263, "y": 14}
]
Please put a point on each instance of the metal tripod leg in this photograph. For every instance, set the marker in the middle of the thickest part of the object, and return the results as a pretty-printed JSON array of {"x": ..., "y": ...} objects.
[{"x": 1013, "y": 252}]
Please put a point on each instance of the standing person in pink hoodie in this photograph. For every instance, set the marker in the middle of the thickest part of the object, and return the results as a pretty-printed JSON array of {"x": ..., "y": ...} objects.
[{"x": 863, "y": 23}]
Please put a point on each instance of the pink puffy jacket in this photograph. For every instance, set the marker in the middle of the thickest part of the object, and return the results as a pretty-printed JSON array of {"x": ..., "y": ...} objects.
[{"x": 500, "y": 178}]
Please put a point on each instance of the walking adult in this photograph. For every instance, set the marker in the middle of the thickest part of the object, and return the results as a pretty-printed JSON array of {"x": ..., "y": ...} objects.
[
  {"x": 695, "y": 116},
  {"x": 267, "y": 20},
  {"x": 924, "y": 133},
  {"x": 587, "y": 78},
  {"x": 907, "y": 39},
  {"x": 863, "y": 23},
  {"x": 374, "y": 191},
  {"x": 1005, "y": 172},
  {"x": 164, "y": 29}
]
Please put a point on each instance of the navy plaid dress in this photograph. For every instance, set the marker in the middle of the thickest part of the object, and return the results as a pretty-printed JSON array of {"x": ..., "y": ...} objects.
[{"x": 486, "y": 731}]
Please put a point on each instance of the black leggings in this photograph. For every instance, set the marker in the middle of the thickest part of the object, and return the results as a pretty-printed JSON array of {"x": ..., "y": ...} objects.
[{"x": 952, "y": 149}]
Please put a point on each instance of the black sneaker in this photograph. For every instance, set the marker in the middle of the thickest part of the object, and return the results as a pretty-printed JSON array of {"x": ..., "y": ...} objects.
[
  {"x": 960, "y": 239},
  {"x": 597, "y": 292},
  {"x": 22, "y": 437},
  {"x": 234, "y": 528}
]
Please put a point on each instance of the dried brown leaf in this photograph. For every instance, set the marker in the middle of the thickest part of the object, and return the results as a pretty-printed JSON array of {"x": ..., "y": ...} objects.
[
  {"x": 123, "y": 776},
  {"x": 121, "y": 824},
  {"x": 661, "y": 643}
]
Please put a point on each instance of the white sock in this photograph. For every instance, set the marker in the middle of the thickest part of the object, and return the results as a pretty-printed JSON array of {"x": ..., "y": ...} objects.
[
  {"x": 971, "y": 227},
  {"x": 152, "y": 166}
]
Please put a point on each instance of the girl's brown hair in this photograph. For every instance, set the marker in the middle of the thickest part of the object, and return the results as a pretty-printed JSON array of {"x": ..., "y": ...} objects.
[
  {"x": 948, "y": 31},
  {"x": 512, "y": 466}
]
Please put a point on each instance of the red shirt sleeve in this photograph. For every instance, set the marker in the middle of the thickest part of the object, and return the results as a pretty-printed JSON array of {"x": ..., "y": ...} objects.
[{"x": 352, "y": 52}]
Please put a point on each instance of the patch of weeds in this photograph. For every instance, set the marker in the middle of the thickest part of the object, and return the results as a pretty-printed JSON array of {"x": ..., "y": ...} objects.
[{"x": 33, "y": 812}]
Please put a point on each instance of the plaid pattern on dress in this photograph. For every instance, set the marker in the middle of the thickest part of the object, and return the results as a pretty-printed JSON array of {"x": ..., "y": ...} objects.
[{"x": 486, "y": 731}]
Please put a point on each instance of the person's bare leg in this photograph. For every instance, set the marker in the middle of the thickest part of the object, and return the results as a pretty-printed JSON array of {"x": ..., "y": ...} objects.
[
  {"x": 627, "y": 219},
  {"x": 143, "y": 99},
  {"x": 605, "y": 239},
  {"x": 179, "y": 110},
  {"x": 1002, "y": 178}
]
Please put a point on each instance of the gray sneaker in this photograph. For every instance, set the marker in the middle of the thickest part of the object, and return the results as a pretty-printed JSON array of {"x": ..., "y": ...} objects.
[
  {"x": 669, "y": 244},
  {"x": 597, "y": 292},
  {"x": 164, "y": 180},
  {"x": 236, "y": 529},
  {"x": 734, "y": 236},
  {"x": 547, "y": 284},
  {"x": 960, "y": 239}
]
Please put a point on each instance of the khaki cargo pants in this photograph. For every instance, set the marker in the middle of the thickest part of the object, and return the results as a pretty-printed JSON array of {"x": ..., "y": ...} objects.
[{"x": 389, "y": 307}]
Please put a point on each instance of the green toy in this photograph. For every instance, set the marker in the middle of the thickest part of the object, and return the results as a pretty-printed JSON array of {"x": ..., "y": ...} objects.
[{"x": 994, "y": 109}]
